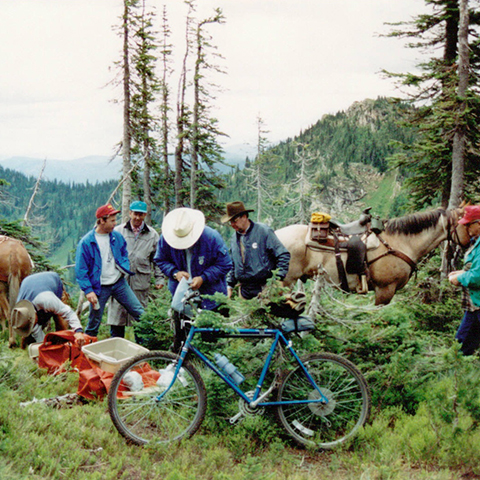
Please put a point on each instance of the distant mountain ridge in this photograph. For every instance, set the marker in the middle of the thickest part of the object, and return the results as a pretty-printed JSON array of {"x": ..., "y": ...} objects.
[{"x": 94, "y": 169}]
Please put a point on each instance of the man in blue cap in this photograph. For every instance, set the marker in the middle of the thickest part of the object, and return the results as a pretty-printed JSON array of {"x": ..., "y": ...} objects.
[{"x": 141, "y": 246}]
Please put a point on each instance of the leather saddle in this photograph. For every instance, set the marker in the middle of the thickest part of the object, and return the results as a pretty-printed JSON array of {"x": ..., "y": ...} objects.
[
  {"x": 353, "y": 238},
  {"x": 357, "y": 227}
]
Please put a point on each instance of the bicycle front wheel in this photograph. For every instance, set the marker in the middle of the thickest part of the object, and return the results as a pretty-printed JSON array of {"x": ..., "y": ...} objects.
[
  {"x": 330, "y": 424},
  {"x": 144, "y": 413}
]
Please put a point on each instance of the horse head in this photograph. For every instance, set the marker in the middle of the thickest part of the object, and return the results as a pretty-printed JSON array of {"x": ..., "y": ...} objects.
[{"x": 457, "y": 231}]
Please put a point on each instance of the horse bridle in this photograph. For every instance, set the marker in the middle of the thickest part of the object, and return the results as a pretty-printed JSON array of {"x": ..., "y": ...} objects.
[
  {"x": 452, "y": 233},
  {"x": 451, "y": 230}
]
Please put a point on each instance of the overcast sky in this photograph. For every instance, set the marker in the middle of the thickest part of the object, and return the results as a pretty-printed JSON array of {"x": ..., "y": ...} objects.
[{"x": 287, "y": 61}]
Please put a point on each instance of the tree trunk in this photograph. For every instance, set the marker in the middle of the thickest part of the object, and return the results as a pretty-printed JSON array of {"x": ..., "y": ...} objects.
[
  {"x": 126, "y": 144},
  {"x": 195, "y": 129},
  {"x": 459, "y": 140}
]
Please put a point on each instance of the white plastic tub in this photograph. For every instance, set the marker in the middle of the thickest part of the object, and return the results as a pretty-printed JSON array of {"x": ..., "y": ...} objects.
[
  {"x": 111, "y": 354},
  {"x": 33, "y": 351}
]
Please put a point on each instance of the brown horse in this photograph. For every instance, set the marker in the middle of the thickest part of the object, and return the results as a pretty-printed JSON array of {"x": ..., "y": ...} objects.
[
  {"x": 391, "y": 256},
  {"x": 15, "y": 265}
]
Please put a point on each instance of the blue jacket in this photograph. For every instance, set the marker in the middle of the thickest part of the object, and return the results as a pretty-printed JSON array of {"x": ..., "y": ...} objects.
[
  {"x": 210, "y": 260},
  {"x": 471, "y": 278},
  {"x": 263, "y": 253},
  {"x": 88, "y": 262},
  {"x": 40, "y": 282}
]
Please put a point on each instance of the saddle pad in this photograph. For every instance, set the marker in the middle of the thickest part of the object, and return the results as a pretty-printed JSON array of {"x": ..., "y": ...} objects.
[{"x": 372, "y": 242}]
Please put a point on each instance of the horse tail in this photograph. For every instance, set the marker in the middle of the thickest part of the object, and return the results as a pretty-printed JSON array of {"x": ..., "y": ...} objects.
[{"x": 14, "y": 278}]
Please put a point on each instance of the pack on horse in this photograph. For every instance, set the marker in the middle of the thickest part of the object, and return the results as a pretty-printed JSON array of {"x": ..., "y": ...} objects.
[
  {"x": 15, "y": 265},
  {"x": 362, "y": 255}
]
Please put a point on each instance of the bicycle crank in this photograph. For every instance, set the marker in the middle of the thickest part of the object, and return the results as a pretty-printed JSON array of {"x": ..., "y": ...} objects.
[{"x": 245, "y": 409}]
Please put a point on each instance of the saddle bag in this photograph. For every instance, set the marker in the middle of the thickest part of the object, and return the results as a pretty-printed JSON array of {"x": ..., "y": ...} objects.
[
  {"x": 61, "y": 347},
  {"x": 319, "y": 232},
  {"x": 319, "y": 226}
]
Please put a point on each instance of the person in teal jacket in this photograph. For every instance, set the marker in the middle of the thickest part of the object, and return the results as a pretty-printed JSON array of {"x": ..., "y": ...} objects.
[
  {"x": 468, "y": 334},
  {"x": 100, "y": 265}
]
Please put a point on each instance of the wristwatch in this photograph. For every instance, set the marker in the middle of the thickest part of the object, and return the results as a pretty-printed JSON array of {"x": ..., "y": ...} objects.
[{"x": 175, "y": 276}]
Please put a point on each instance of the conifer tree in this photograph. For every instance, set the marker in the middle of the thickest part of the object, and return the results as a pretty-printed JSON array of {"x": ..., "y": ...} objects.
[
  {"x": 442, "y": 110},
  {"x": 183, "y": 112},
  {"x": 299, "y": 190},
  {"x": 140, "y": 87},
  {"x": 256, "y": 173},
  {"x": 166, "y": 49},
  {"x": 197, "y": 150},
  {"x": 204, "y": 144},
  {"x": 459, "y": 138},
  {"x": 127, "y": 137},
  {"x": 144, "y": 88}
]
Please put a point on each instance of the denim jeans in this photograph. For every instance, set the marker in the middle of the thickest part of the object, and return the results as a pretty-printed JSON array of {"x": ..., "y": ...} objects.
[
  {"x": 468, "y": 334},
  {"x": 124, "y": 295}
]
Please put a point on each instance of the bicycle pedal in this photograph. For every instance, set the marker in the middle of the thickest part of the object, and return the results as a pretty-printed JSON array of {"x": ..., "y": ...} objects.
[{"x": 236, "y": 418}]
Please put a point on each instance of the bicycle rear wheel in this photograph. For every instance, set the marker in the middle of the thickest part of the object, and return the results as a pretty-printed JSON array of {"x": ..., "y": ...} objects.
[
  {"x": 324, "y": 425},
  {"x": 141, "y": 416}
]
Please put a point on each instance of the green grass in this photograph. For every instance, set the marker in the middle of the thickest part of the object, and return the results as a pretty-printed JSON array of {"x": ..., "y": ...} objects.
[
  {"x": 424, "y": 423},
  {"x": 381, "y": 197}
]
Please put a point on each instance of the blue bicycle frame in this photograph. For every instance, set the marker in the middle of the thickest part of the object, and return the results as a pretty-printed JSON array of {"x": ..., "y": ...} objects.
[{"x": 278, "y": 337}]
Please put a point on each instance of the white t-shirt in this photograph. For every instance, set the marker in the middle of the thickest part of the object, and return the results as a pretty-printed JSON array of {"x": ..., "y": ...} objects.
[
  {"x": 49, "y": 302},
  {"x": 110, "y": 273}
]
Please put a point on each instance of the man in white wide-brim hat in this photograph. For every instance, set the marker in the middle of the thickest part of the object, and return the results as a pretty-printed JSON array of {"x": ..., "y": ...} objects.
[{"x": 189, "y": 249}]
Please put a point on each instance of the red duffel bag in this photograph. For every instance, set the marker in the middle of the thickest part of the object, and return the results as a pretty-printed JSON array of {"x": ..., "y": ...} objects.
[{"x": 58, "y": 348}]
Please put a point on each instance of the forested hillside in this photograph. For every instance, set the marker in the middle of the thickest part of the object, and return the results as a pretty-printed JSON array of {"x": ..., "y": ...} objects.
[
  {"x": 338, "y": 165},
  {"x": 61, "y": 212}
]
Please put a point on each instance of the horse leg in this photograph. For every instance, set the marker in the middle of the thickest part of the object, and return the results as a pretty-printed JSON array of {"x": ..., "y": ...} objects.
[
  {"x": 3, "y": 306},
  {"x": 5, "y": 314},
  {"x": 384, "y": 294}
]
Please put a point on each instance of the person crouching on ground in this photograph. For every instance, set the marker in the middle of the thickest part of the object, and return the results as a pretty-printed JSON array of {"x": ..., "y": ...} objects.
[{"x": 39, "y": 300}]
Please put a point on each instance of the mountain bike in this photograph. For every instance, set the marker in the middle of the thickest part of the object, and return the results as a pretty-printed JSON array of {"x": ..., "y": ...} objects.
[{"x": 320, "y": 399}]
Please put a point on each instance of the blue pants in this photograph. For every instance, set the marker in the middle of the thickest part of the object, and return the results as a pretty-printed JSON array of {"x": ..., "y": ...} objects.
[
  {"x": 124, "y": 295},
  {"x": 468, "y": 333}
]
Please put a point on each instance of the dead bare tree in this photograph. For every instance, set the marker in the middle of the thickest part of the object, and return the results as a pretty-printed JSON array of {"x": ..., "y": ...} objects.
[{"x": 31, "y": 203}]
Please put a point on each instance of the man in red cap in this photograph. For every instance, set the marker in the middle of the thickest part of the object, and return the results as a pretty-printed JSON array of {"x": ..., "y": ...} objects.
[
  {"x": 100, "y": 267},
  {"x": 468, "y": 334}
]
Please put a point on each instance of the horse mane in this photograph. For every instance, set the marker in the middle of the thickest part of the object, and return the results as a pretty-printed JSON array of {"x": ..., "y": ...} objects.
[{"x": 415, "y": 223}]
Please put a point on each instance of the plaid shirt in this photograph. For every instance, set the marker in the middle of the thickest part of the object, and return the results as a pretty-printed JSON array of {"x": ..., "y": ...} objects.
[{"x": 467, "y": 304}]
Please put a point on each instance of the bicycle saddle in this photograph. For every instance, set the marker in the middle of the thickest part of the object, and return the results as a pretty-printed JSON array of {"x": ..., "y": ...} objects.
[{"x": 300, "y": 324}]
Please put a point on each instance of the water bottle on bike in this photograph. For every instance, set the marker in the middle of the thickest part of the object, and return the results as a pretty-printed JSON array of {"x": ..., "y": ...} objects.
[{"x": 228, "y": 368}]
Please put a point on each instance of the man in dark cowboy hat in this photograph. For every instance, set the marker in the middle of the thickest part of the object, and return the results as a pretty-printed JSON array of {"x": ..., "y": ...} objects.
[{"x": 255, "y": 250}]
